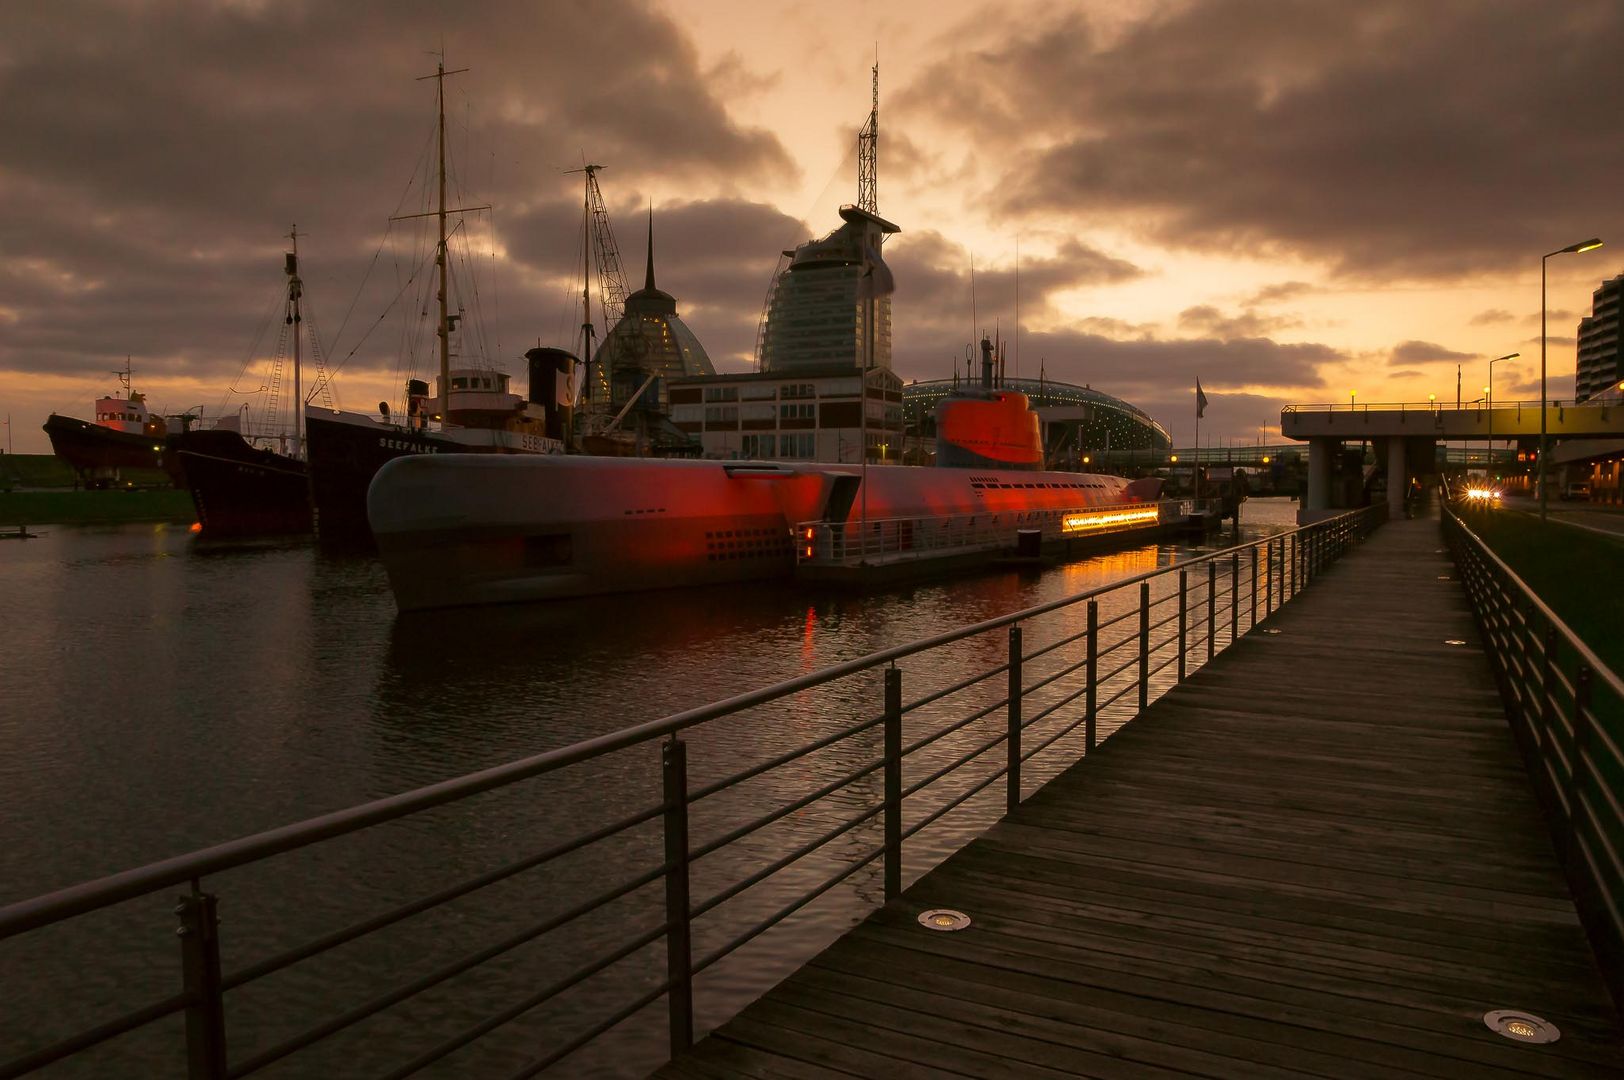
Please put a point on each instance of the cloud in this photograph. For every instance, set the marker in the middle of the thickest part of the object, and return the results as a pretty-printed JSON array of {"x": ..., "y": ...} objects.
[
  {"x": 1491, "y": 317},
  {"x": 1423, "y": 352},
  {"x": 1360, "y": 136},
  {"x": 159, "y": 192},
  {"x": 1273, "y": 294},
  {"x": 1207, "y": 319}
]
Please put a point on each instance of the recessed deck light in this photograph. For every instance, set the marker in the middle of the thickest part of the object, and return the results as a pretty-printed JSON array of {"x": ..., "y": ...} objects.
[
  {"x": 944, "y": 919},
  {"x": 1453, "y": 641},
  {"x": 1520, "y": 1026},
  {"x": 1271, "y": 629},
  {"x": 1445, "y": 577}
]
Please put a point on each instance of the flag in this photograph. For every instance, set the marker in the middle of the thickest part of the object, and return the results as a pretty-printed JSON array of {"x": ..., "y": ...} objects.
[{"x": 1200, "y": 401}]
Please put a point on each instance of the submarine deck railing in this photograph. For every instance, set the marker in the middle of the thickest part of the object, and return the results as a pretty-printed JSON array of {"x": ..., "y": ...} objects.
[
  {"x": 1566, "y": 710},
  {"x": 1099, "y": 675},
  {"x": 823, "y": 543}
]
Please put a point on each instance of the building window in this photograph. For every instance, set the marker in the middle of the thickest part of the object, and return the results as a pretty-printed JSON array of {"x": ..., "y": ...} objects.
[
  {"x": 800, "y": 447},
  {"x": 758, "y": 392},
  {"x": 721, "y": 393},
  {"x": 759, "y": 446},
  {"x": 687, "y": 413},
  {"x": 721, "y": 414},
  {"x": 807, "y": 411},
  {"x": 798, "y": 390},
  {"x": 756, "y": 411}
]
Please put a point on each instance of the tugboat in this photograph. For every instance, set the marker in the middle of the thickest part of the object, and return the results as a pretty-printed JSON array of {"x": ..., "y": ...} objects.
[
  {"x": 125, "y": 435},
  {"x": 241, "y": 490}
]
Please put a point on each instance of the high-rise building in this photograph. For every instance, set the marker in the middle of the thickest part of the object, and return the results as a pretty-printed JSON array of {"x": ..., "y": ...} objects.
[
  {"x": 817, "y": 318},
  {"x": 1601, "y": 364}
]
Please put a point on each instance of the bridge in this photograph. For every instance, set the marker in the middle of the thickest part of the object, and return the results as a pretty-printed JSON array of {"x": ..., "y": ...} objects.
[{"x": 1406, "y": 436}]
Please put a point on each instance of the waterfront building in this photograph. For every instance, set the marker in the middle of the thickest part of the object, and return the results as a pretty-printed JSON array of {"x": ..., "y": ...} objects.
[
  {"x": 1074, "y": 420},
  {"x": 817, "y": 319},
  {"x": 810, "y": 413},
  {"x": 1600, "y": 363},
  {"x": 649, "y": 340}
]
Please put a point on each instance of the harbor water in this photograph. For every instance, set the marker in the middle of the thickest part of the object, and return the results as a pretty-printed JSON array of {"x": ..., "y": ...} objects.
[{"x": 158, "y": 696}]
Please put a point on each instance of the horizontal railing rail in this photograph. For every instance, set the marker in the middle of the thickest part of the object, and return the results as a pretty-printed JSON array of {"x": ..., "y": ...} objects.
[
  {"x": 1566, "y": 709},
  {"x": 1031, "y": 700},
  {"x": 855, "y": 541},
  {"x": 1470, "y": 405}
]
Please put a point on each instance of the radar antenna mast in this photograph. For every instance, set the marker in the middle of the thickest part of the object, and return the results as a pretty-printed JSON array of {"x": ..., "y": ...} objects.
[{"x": 868, "y": 152}]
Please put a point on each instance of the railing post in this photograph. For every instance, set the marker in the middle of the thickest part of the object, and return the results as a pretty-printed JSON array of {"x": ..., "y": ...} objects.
[
  {"x": 199, "y": 934},
  {"x": 1268, "y": 577},
  {"x": 1254, "y": 590},
  {"x": 1547, "y": 704},
  {"x": 1234, "y": 597},
  {"x": 1092, "y": 708},
  {"x": 1212, "y": 606},
  {"x": 1296, "y": 582},
  {"x": 1144, "y": 645},
  {"x": 678, "y": 946},
  {"x": 1575, "y": 792},
  {"x": 1184, "y": 609},
  {"x": 893, "y": 782},
  {"x": 1012, "y": 796}
]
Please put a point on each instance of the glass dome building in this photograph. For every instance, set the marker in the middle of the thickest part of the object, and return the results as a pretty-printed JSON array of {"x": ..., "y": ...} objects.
[
  {"x": 1073, "y": 417},
  {"x": 648, "y": 340}
]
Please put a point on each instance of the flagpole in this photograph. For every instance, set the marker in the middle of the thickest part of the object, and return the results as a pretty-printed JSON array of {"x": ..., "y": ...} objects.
[{"x": 1195, "y": 464}]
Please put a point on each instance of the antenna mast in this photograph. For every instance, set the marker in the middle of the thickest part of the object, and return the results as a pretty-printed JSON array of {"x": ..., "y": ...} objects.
[{"x": 868, "y": 152}]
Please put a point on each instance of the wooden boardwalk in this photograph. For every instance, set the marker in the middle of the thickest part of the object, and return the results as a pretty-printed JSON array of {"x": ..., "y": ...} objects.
[{"x": 1319, "y": 856}]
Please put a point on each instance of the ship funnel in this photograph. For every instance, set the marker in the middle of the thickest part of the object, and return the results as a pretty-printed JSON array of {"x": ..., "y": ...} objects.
[{"x": 552, "y": 373}]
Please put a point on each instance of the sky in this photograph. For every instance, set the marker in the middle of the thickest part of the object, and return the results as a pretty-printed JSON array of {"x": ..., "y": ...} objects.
[{"x": 1291, "y": 201}]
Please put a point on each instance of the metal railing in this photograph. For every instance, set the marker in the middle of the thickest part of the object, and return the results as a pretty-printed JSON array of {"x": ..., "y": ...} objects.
[
  {"x": 1469, "y": 405},
  {"x": 1064, "y": 668},
  {"x": 893, "y": 539},
  {"x": 1566, "y": 710}
]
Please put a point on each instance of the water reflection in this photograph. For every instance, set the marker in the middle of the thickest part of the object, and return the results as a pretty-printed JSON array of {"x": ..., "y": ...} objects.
[{"x": 162, "y": 696}]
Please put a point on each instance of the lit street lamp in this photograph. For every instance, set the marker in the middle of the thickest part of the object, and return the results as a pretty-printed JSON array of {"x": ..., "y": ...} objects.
[
  {"x": 1544, "y": 400},
  {"x": 1351, "y": 394},
  {"x": 1489, "y": 390}
]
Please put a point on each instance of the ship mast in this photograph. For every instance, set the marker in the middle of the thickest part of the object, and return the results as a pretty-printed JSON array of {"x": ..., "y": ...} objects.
[
  {"x": 444, "y": 331},
  {"x": 295, "y": 291}
]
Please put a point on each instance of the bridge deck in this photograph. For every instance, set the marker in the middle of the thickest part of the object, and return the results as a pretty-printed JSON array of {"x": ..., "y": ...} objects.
[{"x": 1318, "y": 856}]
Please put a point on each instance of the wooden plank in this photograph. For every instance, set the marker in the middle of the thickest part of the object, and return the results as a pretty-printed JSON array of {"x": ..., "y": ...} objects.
[{"x": 1319, "y": 855}]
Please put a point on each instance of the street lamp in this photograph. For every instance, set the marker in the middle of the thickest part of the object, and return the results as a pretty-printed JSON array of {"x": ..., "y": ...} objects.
[
  {"x": 1489, "y": 390},
  {"x": 1544, "y": 401},
  {"x": 1350, "y": 400}
]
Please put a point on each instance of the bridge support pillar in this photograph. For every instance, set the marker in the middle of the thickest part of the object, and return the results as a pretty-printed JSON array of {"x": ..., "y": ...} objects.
[
  {"x": 1398, "y": 476},
  {"x": 1317, "y": 502}
]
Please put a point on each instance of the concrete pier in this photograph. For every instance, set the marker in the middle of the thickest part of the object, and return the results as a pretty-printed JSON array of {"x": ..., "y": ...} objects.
[{"x": 1319, "y": 855}]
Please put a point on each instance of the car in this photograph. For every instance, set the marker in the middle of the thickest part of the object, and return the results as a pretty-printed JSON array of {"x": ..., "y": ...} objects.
[{"x": 1577, "y": 490}]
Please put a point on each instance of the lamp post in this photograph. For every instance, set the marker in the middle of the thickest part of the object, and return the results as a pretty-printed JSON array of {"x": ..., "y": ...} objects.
[
  {"x": 1489, "y": 390},
  {"x": 1544, "y": 401},
  {"x": 1351, "y": 394}
]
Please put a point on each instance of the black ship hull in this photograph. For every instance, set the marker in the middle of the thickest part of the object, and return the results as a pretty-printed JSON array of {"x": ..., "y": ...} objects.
[
  {"x": 241, "y": 490},
  {"x": 90, "y": 447},
  {"x": 344, "y": 457}
]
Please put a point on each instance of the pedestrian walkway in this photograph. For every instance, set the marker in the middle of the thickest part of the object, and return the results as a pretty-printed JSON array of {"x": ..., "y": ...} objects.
[{"x": 1319, "y": 855}]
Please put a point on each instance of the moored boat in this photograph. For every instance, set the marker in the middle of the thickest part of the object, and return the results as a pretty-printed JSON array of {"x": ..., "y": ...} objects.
[
  {"x": 124, "y": 435},
  {"x": 243, "y": 490},
  {"x": 462, "y": 529}
]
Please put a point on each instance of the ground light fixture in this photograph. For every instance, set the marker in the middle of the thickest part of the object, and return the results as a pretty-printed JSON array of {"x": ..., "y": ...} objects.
[
  {"x": 944, "y": 919},
  {"x": 1520, "y": 1026},
  {"x": 1544, "y": 398}
]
